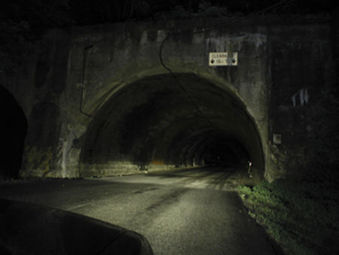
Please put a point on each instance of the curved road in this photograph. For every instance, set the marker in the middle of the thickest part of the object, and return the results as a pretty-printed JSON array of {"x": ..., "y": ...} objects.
[{"x": 180, "y": 212}]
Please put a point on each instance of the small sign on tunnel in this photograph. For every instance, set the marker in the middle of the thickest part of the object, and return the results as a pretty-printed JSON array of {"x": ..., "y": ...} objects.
[{"x": 223, "y": 59}]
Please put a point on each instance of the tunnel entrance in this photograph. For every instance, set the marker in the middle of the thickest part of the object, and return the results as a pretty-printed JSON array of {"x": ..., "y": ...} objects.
[
  {"x": 162, "y": 122},
  {"x": 12, "y": 135}
]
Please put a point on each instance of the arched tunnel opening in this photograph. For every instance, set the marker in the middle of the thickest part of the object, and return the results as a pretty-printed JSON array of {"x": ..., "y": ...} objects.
[
  {"x": 12, "y": 135},
  {"x": 164, "y": 122}
]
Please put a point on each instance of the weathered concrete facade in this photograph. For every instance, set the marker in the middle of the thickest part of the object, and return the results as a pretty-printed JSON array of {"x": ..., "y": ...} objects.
[{"x": 87, "y": 81}]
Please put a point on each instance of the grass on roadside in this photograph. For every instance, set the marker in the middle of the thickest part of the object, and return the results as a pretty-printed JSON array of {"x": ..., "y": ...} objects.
[{"x": 302, "y": 217}]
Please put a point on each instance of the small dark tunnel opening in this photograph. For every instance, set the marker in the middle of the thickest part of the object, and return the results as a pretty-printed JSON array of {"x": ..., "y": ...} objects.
[
  {"x": 155, "y": 124},
  {"x": 12, "y": 135},
  {"x": 218, "y": 150}
]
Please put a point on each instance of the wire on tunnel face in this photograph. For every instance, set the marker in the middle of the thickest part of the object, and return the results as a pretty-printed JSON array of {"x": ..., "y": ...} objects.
[{"x": 190, "y": 97}]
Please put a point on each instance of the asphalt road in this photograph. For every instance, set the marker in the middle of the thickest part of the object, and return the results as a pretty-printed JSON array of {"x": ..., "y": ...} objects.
[{"x": 182, "y": 212}]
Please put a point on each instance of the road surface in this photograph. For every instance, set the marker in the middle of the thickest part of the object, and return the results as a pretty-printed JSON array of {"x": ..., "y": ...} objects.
[{"x": 182, "y": 212}]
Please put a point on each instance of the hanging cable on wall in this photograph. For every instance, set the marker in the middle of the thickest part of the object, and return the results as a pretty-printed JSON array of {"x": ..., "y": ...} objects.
[
  {"x": 190, "y": 97},
  {"x": 83, "y": 74}
]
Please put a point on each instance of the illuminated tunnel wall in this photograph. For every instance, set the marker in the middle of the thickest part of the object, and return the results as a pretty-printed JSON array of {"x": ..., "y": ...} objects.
[{"x": 161, "y": 122}]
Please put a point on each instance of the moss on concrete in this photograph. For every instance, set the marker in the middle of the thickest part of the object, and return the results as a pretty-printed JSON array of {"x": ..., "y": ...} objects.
[{"x": 38, "y": 161}]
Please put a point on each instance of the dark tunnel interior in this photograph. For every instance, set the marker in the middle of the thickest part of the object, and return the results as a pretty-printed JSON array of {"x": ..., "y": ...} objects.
[
  {"x": 163, "y": 120},
  {"x": 13, "y": 133}
]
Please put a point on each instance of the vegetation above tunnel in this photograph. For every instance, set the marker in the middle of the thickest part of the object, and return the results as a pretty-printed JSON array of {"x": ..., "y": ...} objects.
[
  {"x": 68, "y": 12},
  {"x": 25, "y": 21}
]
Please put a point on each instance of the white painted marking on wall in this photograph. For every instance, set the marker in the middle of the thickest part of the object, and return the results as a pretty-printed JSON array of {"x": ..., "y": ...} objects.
[
  {"x": 303, "y": 97},
  {"x": 294, "y": 101},
  {"x": 306, "y": 96}
]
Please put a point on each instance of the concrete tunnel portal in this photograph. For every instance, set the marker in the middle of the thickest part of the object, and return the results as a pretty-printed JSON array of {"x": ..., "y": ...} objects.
[{"x": 163, "y": 122}]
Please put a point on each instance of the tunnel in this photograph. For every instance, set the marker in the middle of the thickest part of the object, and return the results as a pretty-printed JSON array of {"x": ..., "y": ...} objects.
[
  {"x": 12, "y": 135},
  {"x": 170, "y": 121}
]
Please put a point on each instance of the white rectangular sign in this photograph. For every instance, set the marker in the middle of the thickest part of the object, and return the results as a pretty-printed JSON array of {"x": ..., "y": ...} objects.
[{"x": 223, "y": 59}]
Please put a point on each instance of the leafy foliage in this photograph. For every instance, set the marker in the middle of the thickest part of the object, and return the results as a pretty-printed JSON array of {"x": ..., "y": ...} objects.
[
  {"x": 302, "y": 217},
  {"x": 37, "y": 13},
  {"x": 51, "y": 13}
]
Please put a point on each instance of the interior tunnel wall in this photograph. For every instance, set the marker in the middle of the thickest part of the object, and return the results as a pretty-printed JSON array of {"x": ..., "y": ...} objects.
[{"x": 158, "y": 129}]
